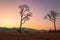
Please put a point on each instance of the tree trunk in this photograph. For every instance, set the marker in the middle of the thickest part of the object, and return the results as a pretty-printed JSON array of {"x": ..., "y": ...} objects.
[
  {"x": 54, "y": 25},
  {"x": 20, "y": 25},
  {"x": 21, "y": 20}
]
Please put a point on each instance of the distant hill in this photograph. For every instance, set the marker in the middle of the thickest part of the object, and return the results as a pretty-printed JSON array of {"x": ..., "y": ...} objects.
[
  {"x": 8, "y": 29},
  {"x": 23, "y": 30}
]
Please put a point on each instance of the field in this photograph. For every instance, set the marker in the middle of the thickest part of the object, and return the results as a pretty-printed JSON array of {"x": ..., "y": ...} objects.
[{"x": 29, "y": 36}]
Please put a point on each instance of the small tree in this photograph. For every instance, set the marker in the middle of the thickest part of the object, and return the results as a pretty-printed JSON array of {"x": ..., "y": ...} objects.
[
  {"x": 52, "y": 16},
  {"x": 25, "y": 14}
]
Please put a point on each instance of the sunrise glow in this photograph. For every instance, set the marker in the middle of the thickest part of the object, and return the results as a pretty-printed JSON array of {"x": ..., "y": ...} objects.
[{"x": 10, "y": 17}]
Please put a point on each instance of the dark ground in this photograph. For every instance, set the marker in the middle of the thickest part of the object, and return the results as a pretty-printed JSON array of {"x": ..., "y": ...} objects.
[{"x": 29, "y": 36}]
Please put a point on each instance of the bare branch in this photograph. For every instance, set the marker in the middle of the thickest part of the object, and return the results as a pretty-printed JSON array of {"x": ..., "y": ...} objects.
[{"x": 27, "y": 15}]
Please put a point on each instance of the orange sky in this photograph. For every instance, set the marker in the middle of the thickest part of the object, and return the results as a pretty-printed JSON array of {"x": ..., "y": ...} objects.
[{"x": 10, "y": 17}]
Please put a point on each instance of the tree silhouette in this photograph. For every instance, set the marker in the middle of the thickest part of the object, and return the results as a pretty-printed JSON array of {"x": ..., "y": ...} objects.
[
  {"x": 52, "y": 16},
  {"x": 25, "y": 14}
]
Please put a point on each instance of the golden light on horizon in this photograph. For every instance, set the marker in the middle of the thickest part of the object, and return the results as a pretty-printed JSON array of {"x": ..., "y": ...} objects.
[{"x": 7, "y": 23}]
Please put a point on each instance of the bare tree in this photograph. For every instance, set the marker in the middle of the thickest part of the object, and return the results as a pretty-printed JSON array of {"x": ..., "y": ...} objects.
[
  {"x": 25, "y": 14},
  {"x": 52, "y": 16}
]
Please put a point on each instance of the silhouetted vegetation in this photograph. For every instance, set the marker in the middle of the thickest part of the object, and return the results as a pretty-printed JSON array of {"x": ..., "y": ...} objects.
[
  {"x": 57, "y": 31},
  {"x": 52, "y": 16},
  {"x": 25, "y": 14}
]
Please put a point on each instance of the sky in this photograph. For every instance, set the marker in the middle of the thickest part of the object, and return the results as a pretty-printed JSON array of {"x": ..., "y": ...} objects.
[{"x": 10, "y": 17}]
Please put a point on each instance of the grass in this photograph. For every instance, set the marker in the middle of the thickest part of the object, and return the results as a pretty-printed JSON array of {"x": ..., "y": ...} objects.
[{"x": 29, "y": 36}]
